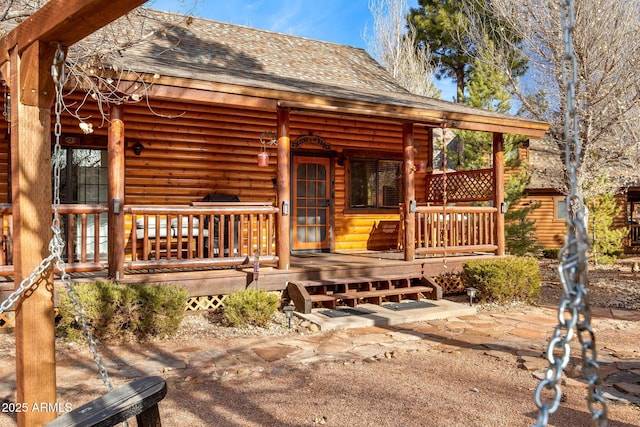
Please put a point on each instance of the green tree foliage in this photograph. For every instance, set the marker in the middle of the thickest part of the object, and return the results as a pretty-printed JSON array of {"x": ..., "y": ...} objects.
[
  {"x": 606, "y": 241},
  {"x": 443, "y": 26},
  {"x": 519, "y": 230},
  {"x": 440, "y": 25}
]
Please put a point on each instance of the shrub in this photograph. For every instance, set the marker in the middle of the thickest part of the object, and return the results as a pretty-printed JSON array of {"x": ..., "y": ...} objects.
[
  {"x": 504, "y": 279},
  {"x": 607, "y": 243},
  {"x": 250, "y": 307},
  {"x": 122, "y": 312}
]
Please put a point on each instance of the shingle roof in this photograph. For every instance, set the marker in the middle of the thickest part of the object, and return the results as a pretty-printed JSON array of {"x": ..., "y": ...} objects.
[
  {"x": 545, "y": 165},
  {"x": 228, "y": 53},
  {"x": 217, "y": 52}
]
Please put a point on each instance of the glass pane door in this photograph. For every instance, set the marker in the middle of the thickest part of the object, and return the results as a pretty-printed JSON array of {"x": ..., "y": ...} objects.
[{"x": 311, "y": 203}]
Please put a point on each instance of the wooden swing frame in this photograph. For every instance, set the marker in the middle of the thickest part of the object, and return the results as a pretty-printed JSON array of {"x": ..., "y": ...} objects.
[{"x": 26, "y": 55}]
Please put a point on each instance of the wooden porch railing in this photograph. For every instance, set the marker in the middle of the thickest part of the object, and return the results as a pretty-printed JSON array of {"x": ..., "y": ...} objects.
[
  {"x": 84, "y": 229},
  {"x": 160, "y": 236},
  {"x": 454, "y": 229},
  {"x": 204, "y": 234}
]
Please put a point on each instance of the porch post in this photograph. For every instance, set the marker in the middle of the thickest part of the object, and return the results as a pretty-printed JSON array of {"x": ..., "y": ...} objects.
[
  {"x": 283, "y": 242},
  {"x": 32, "y": 93},
  {"x": 409, "y": 193},
  {"x": 498, "y": 190},
  {"x": 116, "y": 153}
]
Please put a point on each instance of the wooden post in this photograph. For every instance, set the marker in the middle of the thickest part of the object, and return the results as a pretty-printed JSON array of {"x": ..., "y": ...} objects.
[
  {"x": 31, "y": 193},
  {"x": 30, "y": 48},
  {"x": 283, "y": 238},
  {"x": 409, "y": 193},
  {"x": 498, "y": 190},
  {"x": 116, "y": 151}
]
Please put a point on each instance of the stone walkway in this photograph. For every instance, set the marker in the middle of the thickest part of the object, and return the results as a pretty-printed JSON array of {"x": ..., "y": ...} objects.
[{"x": 519, "y": 335}]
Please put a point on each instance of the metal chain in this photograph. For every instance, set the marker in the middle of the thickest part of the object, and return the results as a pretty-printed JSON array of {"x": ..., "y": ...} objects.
[
  {"x": 57, "y": 242},
  {"x": 445, "y": 228},
  {"x": 56, "y": 245},
  {"x": 573, "y": 311}
]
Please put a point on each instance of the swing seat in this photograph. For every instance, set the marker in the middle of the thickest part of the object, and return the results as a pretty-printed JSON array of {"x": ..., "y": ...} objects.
[{"x": 139, "y": 398}]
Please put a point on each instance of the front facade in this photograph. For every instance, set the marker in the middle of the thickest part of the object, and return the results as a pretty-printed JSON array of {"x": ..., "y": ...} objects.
[{"x": 238, "y": 156}]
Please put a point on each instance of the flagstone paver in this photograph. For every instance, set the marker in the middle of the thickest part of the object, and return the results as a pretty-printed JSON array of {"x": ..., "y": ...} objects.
[{"x": 519, "y": 337}]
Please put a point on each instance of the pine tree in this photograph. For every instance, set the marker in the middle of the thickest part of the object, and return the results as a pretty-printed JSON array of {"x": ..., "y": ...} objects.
[
  {"x": 443, "y": 27},
  {"x": 519, "y": 230}
]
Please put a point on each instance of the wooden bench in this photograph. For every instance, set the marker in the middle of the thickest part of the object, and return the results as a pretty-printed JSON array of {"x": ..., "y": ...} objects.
[
  {"x": 307, "y": 294},
  {"x": 138, "y": 399}
]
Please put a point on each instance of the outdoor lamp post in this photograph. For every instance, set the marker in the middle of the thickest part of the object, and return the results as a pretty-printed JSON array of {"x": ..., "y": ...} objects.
[
  {"x": 288, "y": 312},
  {"x": 472, "y": 292}
]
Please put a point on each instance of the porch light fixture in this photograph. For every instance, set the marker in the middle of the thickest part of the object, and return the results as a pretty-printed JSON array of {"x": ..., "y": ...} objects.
[
  {"x": 137, "y": 148},
  {"x": 288, "y": 312},
  {"x": 6, "y": 112},
  {"x": 472, "y": 293},
  {"x": 266, "y": 138}
]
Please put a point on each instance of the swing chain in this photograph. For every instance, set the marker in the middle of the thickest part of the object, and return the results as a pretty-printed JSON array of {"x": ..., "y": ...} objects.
[
  {"x": 573, "y": 311},
  {"x": 57, "y": 241},
  {"x": 28, "y": 282},
  {"x": 445, "y": 228}
]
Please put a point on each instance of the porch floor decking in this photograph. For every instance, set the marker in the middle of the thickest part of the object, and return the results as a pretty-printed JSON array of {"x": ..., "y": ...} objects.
[{"x": 304, "y": 266}]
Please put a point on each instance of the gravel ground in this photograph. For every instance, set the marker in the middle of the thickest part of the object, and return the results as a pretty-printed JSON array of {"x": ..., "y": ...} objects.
[{"x": 451, "y": 385}]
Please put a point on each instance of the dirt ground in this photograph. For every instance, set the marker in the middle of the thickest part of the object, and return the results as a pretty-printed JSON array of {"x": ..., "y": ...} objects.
[{"x": 450, "y": 384}]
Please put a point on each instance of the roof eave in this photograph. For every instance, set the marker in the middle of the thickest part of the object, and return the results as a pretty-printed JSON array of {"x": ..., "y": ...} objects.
[{"x": 175, "y": 88}]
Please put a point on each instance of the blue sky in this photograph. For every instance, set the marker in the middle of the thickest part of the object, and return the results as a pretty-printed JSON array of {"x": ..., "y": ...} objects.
[{"x": 338, "y": 21}]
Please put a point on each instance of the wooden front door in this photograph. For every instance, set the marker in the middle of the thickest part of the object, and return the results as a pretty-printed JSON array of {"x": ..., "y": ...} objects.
[{"x": 311, "y": 203}]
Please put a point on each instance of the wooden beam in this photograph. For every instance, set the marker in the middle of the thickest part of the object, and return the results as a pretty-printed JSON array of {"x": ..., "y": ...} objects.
[
  {"x": 36, "y": 87},
  {"x": 210, "y": 97},
  {"x": 30, "y": 48},
  {"x": 65, "y": 22},
  {"x": 283, "y": 242},
  {"x": 498, "y": 190},
  {"x": 409, "y": 192},
  {"x": 177, "y": 88},
  {"x": 31, "y": 192},
  {"x": 116, "y": 151}
]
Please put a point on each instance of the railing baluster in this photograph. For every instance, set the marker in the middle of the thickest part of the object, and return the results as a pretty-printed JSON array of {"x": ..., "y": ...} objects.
[{"x": 96, "y": 241}]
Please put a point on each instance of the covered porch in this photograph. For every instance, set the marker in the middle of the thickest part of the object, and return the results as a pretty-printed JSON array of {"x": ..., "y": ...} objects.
[{"x": 351, "y": 169}]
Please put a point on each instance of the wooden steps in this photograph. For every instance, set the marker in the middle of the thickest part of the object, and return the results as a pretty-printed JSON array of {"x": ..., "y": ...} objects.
[{"x": 328, "y": 293}]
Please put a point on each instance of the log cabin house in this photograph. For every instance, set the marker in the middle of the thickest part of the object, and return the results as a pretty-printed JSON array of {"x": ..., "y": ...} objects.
[
  {"x": 545, "y": 163},
  {"x": 251, "y": 152}
]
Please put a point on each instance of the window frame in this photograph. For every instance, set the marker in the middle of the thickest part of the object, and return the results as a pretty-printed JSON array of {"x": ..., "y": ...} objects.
[
  {"x": 392, "y": 157},
  {"x": 559, "y": 213}
]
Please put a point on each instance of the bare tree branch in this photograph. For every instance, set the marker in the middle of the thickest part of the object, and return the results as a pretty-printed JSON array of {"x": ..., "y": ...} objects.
[
  {"x": 95, "y": 66},
  {"x": 393, "y": 45},
  {"x": 607, "y": 48}
]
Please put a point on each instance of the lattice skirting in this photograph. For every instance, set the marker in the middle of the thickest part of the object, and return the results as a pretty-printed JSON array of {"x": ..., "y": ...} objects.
[
  {"x": 206, "y": 302},
  {"x": 8, "y": 319},
  {"x": 451, "y": 283}
]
